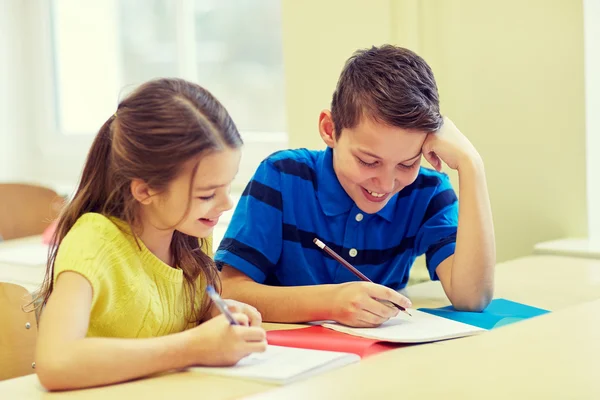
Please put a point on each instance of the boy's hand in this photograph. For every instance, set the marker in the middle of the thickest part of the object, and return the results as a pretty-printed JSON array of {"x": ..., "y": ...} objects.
[
  {"x": 355, "y": 304},
  {"x": 449, "y": 145},
  {"x": 254, "y": 317}
]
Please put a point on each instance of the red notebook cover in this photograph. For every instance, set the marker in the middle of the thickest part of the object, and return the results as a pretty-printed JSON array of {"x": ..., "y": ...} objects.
[{"x": 319, "y": 338}]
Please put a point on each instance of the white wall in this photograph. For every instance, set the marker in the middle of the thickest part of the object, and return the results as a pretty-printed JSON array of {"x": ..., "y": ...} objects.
[
  {"x": 591, "y": 16},
  {"x": 510, "y": 74}
]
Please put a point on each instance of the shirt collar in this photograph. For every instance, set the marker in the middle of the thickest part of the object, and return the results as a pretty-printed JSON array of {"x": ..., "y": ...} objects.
[{"x": 333, "y": 198}]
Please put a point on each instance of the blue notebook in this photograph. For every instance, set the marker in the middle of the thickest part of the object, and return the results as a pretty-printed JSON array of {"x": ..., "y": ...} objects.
[{"x": 498, "y": 313}]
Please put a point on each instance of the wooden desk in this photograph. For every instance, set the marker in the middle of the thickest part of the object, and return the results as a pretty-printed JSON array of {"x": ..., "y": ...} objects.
[
  {"x": 545, "y": 281},
  {"x": 570, "y": 247},
  {"x": 516, "y": 357},
  {"x": 554, "y": 356}
]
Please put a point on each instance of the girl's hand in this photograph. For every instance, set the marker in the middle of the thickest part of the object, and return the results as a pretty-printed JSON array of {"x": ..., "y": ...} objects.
[
  {"x": 218, "y": 343},
  {"x": 254, "y": 317}
]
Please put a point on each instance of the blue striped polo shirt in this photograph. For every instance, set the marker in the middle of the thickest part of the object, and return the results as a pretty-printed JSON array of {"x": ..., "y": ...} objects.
[{"x": 295, "y": 196}]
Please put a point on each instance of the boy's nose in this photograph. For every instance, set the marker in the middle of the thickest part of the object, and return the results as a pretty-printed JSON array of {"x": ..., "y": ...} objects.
[{"x": 385, "y": 183}]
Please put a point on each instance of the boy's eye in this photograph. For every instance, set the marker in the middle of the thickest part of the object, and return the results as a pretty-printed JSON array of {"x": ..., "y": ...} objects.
[
  {"x": 366, "y": 164},
  {"x": 205, "y": 198},
  {"x": 409, "y": 166}
]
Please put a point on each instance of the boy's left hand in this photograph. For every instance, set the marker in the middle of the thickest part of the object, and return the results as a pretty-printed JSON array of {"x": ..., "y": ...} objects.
[
  {"x": 449, "y": 145},
  {"x": 254, "y": 317}
]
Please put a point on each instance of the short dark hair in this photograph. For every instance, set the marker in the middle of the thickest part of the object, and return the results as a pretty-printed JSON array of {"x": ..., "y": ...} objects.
[{"x": 388, "y": 84}]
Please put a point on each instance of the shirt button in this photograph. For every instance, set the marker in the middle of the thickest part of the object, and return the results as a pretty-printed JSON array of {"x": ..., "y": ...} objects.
[
  {"x": 353, "y": 252},
  {"x": 359, "y": 217}
]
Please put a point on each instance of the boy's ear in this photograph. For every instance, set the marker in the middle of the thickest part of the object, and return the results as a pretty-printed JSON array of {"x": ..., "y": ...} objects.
[
  {"x": 326, "y": 128},
  {"x": 141, "y": 191}
]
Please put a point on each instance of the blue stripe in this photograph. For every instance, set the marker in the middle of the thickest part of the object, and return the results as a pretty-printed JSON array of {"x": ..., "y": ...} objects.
[
  {"x": 264, "y": 193},
  {"x": 250, "y": 254},
  {"x": 439, "y": 202},
  {"x": 299, "y": 169},
  {"x": 291, "y": 233},
  {"x": 422, "y": 182},
  {"x": 436, "y": 246}
]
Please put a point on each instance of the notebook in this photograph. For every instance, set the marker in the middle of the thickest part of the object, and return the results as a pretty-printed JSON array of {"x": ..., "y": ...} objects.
[
  {"x": 498, "y": 313},
  {"x": 282, "y": 365},
  {"x": 422, "y": 327},
  {"x": 319, "y": 338},
  {"x": 433, "y": 324}
]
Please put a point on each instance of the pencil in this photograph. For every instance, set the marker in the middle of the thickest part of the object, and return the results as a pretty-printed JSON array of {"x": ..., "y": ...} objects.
[{"x": 352, "y": 269}]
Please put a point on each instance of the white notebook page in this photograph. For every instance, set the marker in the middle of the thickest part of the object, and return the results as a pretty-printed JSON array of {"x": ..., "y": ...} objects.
[
  {"x": 283, "y": 364},
  {"x": 420, "y": 328}
]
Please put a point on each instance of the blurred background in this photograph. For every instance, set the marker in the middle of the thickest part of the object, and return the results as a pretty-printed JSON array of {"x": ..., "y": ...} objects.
[{"x": 520, "y": 78}]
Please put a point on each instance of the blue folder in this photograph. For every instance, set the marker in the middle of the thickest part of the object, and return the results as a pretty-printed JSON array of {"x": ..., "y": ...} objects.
[{"x": 498, "y": 313}]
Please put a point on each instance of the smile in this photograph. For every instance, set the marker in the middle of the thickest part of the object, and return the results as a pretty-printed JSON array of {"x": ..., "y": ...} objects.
[
  {"x": 374, "y": 197},
  {"x": 376, "y": 194},
  {"x": 209, "y": 221}
]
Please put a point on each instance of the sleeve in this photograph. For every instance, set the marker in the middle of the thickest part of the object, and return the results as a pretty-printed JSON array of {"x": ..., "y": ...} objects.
[
  {"x": 253, "y": 241},
  {"x": 84, "y": 250},
  {"x": 436, "y": 237}
]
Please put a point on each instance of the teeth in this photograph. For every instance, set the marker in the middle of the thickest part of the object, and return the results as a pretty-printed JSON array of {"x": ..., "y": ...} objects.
[{"x": 376, "y": 194}]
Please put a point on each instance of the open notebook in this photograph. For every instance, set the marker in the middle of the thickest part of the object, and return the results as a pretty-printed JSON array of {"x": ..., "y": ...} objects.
[
  {"x": 426, "y": 325},
  {"x": 282, "y": 365},
  {"x": 422, "y": 327},
  {"x": 319, "y": 338}
]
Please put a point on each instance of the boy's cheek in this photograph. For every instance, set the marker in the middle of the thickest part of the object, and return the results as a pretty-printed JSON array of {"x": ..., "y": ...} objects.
[
  {"x": 409, "y": 179},
  {"x": 358, "y": 174}
]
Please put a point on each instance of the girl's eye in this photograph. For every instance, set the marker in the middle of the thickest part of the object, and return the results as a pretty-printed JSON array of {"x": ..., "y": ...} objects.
[
  {"x": 366, "y": 164},
  {"x": 206, "y": 198}
]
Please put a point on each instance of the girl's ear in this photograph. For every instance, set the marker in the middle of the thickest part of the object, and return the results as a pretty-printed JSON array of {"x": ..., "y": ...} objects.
[
  {"x": 141, "y": 191},
  {"x": 327, "y": 128}
]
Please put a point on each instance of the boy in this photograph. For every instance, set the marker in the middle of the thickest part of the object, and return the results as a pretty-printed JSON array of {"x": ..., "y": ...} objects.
[{"x": 368, "y": 199}]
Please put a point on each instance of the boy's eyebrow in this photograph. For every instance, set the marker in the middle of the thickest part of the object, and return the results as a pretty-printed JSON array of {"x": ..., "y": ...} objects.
[
  {"x": 379, "y": 158},
  {"x": 412, "y": 158},
  {"x": 369, "y": 154}
]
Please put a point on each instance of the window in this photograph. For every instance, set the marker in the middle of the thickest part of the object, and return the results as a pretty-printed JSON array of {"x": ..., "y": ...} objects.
[{"x": 101, "y": 50}]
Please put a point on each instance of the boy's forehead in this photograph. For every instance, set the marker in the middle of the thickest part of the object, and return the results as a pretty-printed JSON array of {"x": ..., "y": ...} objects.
[
  {"x": 378, "y": 138},
  {"x": 374, "y": 126}
]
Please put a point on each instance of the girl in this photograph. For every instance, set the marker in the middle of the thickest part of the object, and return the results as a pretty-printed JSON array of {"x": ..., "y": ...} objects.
[{"x": 124, "y": 294}]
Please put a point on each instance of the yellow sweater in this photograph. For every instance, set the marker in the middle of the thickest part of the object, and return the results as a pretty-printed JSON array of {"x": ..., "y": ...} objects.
[{"x": 135, "y": 294}]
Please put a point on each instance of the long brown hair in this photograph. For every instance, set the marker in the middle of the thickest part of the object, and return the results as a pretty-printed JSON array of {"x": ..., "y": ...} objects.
[{"x": 155, "y": 131}]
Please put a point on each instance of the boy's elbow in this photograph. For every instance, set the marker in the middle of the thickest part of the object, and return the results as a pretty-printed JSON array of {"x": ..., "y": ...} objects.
[
  {"x": 475, "y": 302},
  {"x": 470, "y": 306}
]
